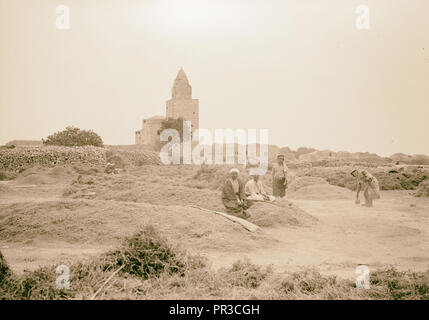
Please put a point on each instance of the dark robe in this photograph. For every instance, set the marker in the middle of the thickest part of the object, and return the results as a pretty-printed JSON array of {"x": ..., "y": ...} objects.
[
  {"x": 229, "y": 197},
  {"x": 279, "y": 179},
  {"x": 279, "y": 188}
]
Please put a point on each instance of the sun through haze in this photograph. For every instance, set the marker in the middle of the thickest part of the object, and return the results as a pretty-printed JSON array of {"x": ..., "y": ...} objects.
[{"x": 301, "y": 69}]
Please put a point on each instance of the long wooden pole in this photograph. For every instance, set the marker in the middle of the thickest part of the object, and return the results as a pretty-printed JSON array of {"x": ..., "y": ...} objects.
[{"x": 246, "y": 224}]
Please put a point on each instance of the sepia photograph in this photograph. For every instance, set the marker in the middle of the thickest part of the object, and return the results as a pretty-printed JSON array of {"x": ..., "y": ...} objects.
[{"x": 214, "y": 150}]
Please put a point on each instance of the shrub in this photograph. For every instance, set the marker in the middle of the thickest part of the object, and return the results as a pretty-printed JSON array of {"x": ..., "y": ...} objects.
[
  {"x": 148, "y": 255},
  {"x": 423, "y": 189},
  {"x": 3, "y": 176},
  {"x": 311, "y": 282},
  {"x": 171, "y": 123},
  {"x": 246, "y": 274},
  {"x": 4, "y": 269},
  {"x": 145, "y": 255},
  {"x": 7, "y": 282},
  {"x": 40, "y": 284},
  {"x": 71, "y": 137},
  {"x": 405, "y": 178},
  {"x": 395, "y": 284}
]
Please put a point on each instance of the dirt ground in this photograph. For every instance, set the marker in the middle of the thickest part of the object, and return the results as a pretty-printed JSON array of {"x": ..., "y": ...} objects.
[
  {"x": 395, "y": 232},
  {"x": 52, "y": 217}
]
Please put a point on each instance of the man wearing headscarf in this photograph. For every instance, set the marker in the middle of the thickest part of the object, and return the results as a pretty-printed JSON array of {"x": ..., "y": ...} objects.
[{"x": 233, "y": 196}]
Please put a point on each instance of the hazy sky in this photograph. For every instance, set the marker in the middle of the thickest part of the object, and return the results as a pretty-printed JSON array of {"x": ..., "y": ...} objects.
[{"x": 299, "y": 68}]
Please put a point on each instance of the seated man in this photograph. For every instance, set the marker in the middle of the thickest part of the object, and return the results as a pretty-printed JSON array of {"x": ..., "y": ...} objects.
[
  {"x": 254, "y": 190},
  {"x": 233, "y": 196}
]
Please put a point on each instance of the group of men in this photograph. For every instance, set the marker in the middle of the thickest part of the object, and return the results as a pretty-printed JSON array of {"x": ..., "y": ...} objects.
[{"x": 237, "y": 197}]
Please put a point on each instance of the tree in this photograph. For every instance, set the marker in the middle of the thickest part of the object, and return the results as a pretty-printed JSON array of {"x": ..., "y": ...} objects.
[
  {"x": 172, "y": 123},
  {"x": 72, "y": 137}
]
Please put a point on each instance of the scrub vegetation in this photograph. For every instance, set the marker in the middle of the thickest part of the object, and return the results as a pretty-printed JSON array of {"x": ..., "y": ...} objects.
[{"x": 149, "y": 266}]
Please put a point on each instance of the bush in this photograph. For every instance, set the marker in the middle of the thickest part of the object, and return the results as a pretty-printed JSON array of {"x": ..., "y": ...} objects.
[
  {"x": 195, "y": 280},
  {"x": 145, "y": 255},
  {"x": 72, "y": 137},
  {"x": 40, "y": 284},
  {"x": 3, "y": 176},
  {"x": 171, "y": 123},
  {"x": 405, "y": 178},
  {"x": 7, "y": 282},
  {"x": 423, "y": 189},
  {"x": 148, "y": 255},
  {"x": 4, "y": 269},
  {"x": 397, "y": 285},
  {"x": 7, "y": 175},
  {"x": 245, "y": 274}
]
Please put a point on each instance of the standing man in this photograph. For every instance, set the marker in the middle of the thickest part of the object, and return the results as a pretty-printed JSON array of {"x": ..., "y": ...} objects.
[
  {"x": 279, "y": 172},
  {"x": 359, "y": 184},
  {"x": 233, "y": 196}
]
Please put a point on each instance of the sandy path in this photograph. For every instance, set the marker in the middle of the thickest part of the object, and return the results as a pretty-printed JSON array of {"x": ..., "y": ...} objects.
[{"x": 394, "y": 232}]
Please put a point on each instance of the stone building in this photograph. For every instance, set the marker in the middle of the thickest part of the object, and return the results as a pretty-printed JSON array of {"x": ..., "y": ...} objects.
[
  {"x": 181, "y": 105},
  {"x": 149, "y": 133}
]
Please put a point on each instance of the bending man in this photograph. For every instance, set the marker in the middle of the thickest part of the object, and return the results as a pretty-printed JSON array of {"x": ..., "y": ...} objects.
[{"x": 369, "y": 184}]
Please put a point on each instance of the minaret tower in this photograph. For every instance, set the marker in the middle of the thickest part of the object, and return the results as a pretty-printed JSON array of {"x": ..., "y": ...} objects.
[{"x": 181, "y": 104}]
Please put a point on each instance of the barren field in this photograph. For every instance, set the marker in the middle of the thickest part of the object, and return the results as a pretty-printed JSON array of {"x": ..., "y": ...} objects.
[
  {"x": 42, "y": 221},
  {"x": 68, "y": 214}
]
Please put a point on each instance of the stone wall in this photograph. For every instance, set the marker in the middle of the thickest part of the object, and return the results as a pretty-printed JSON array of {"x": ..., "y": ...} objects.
[
  {"x": 148, "y": 135},
  {"x": 21, "y": 158}
]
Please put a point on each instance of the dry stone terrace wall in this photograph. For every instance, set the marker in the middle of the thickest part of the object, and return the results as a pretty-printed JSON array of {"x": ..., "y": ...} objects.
[
  {"x": 24, "y": 157},
  {"x": 21, "y": 158},
  {"x": 133, "y": 157}
]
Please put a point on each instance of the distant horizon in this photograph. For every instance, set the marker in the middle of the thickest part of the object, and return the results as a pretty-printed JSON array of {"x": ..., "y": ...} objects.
[{"x": 275, "y": 145}]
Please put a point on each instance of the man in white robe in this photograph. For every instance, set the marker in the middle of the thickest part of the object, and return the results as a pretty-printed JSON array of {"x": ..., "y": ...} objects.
[{"x": 254, "y": 190}]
